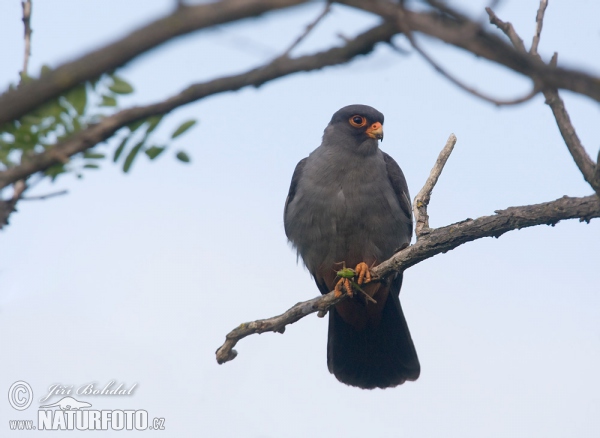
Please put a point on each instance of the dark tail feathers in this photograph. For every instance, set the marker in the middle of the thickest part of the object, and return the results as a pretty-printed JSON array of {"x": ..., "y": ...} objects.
[{"x": 376, "y": 357}]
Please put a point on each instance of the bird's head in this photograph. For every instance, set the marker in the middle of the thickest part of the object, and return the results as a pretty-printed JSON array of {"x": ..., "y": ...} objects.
[{"x": 356, "y": 128}]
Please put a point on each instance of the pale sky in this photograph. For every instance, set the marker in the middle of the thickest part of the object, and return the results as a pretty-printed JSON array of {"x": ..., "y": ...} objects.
[{"x": 137, "y": 278}]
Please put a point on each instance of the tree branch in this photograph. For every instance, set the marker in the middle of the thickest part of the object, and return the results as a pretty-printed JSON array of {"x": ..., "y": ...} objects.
[
  {"x": 539, "y": 20},
  {"x": 281, "y": 66},
  {"x": 185, "y": 19},
  {"x": 308, "y": 29},
  {"x": 26, "y": 5},
  {"x": 438, "y": 241},
  {"x": 470, "y": 36},
  {"x": 422, "y": 199},
  {"x": 7, "y": 207},
  {"x": 584, "y": 162},
  {"x": 430, "y": 242}
]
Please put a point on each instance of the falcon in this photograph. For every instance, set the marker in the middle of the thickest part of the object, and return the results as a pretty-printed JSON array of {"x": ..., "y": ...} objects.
[{"x": 348, "y": 207}]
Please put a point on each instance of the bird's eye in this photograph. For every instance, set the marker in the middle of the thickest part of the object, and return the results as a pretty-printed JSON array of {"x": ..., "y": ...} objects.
[{"x": 358, "y": 121}]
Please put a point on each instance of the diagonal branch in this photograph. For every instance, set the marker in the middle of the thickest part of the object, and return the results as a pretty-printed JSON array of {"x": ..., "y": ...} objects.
[
  {"x": 183, "y": 20},
  {"x": 586, "y": 165},
  {"x": 26, "y": 5},
  {"x": 431, "y": 242},
  {"x": 438, "y": 241},
  {"x": 539, "y": 20},
  {"x": 470, "y": 36},
  {"x": 308, "y": 29},
  {"x": 424, "y": 196},
  {"x": 362, "y": 44}
]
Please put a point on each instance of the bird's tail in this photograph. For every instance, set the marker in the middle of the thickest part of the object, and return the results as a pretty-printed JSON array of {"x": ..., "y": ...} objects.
[{"x": 375, "y": 357}]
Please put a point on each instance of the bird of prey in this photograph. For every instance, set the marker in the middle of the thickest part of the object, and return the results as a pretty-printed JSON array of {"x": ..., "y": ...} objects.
[{"x": 348, "y": 205}]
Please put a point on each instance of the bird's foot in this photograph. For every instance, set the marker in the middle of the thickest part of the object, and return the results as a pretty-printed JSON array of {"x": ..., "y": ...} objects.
[
  {"x": 363, "y": 273},
  {"x": 343, "y": 284}
]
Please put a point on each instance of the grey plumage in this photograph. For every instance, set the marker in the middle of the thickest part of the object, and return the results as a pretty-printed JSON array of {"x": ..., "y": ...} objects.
[{"x": 348, "y": 202}]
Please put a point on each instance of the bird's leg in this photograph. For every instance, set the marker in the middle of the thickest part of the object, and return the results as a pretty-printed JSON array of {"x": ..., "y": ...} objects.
[
  {"x": 343, "y": 284},
  {"x": 363, "y": 273}
]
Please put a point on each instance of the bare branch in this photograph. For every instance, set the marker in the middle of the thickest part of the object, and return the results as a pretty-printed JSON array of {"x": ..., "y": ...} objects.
[
  {"x": 403, "y": 24},
  {"x": 308, "y": 29},
  {"x": 19, "y": 187},
  {"x": 277, "y": 324},
  {"x": 183, "y": 20},
  {"x": 8, "y": 206},
  {"x": 26, "y": 4},
  {"x": 539, "y": 21},
  {"x": 94, "y": 134},
  {"x": 585, "y": 164},
  {"x": 423, "y": 197},
  {"x": 470, "y": 36},
  {"x": 508, "y": 29},
  {"x": 44, "y": 197},
  {"x": 460, "y": 84},
  {"x": 597, "y": 172},
  {"x": 439, "y": 240}
]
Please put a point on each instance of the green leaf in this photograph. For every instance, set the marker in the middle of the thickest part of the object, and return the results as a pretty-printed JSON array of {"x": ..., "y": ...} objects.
[
  {"x": 93, "y": 155},
  {"x": 135, "y": 125},
  {"x": 182, "y": 156},
  {"x": 108, "y": 101},
  {"x": 55, "y": 170},
  {"x": 131, "y": 156},
  {"x": 183, "y": 127},
  {"x": 31, "y": 119},
  {"x": 77, "y": 97},
  {"x": 120, "y": 86},
  {"x": 91, "y": 166},
  {"x": 120, "y": 149},
  {"x": 45, "y": 70},
  {"x": 154, "y": 151},
  {"x": 153, "y": 123}
]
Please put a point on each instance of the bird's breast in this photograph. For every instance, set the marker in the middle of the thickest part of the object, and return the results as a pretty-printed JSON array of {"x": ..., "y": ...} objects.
[{"x": 345, "y": 210}]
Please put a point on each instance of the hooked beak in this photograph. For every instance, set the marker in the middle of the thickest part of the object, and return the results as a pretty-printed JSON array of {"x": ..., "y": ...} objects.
[{"x": 375, "y": 131}]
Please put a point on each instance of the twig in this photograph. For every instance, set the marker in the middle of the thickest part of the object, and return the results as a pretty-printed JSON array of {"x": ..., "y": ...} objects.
[
  {"x": 583, "y": 161},
  {"x": 439, "y": 240},
  {"x": 597, "y": 172},
  {"x": 405, "y": 26},
  {"x": 20, "y": 185},
  {"x": 470, "y": 36},
  {"x": 44, "y": 197},
  {"x": 8, "y": 206},
  {"x": 94, "y": 134},
  {"x": 539, "y": 21},
  {"x": 423, "y": 197},
  {"x": 16, "y": 103},
  {"x": 308, "y": 29},
  {"x": 462, "y": 85},
  {"x": 277, "y": 324},
  {"x": 26, "y": 4},
  {"x": 508, "y": 30}
]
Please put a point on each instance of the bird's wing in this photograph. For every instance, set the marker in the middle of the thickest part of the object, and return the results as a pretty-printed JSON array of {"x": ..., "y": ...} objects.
[
  {"x": 294, "y": 185},
  {"x": 400, "y": 187}
]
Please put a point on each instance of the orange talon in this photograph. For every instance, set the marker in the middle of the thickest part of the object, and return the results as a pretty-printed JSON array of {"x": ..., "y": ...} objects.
[
  {"x": 343, "y": 284},
  {"x": 363, "y": 272},
  {"x": 338, "y": 288},
  {"x": 348, "y": 287}
]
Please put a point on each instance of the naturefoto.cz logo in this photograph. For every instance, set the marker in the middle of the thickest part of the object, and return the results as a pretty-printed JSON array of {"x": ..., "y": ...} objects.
[{"x": 71, "y": 412}]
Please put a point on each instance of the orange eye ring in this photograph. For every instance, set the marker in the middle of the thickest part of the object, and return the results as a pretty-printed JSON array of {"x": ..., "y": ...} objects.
[{"x": 358, "y": 121}]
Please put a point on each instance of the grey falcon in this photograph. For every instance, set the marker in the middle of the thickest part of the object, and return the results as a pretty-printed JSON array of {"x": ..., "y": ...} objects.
[{"x": 348, "y": 204}]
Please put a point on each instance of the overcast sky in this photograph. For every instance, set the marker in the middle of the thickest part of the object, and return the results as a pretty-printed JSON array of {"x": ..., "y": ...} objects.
[{"x": 137, "y": 278}]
